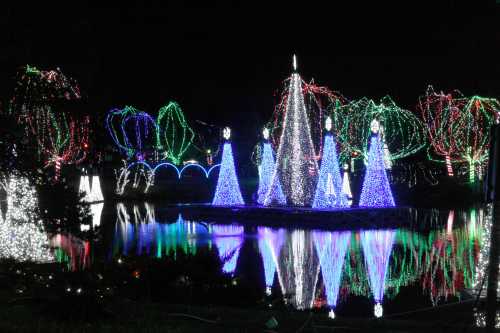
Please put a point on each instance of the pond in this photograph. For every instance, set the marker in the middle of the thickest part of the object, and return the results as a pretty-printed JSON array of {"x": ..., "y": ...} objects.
[{"x": 150, "y": 251}]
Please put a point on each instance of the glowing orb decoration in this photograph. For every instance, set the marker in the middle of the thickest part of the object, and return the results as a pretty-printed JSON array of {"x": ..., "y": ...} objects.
[{"x": 226, "y": 133}]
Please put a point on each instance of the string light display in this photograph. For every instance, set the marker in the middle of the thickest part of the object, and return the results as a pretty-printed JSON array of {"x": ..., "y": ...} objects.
[
  {"x": 458, "y": 128},
  {"x": 346, "y": 185},
  {"x": 174, "y": 135},
  {"x": 22, "y": 237},
  {"x": 363, "y": 263},
  {"x": 296, "y": 166},
  {"x": 133, "y": 131},
  {"x": 141, "y": 231},
  {"x": 96, "y": 192},
  {"x": 319, "y": 101},
  {"x": 227, "y": 192},
  {"x": 84, "y": 188},
  {"x": 401, "y": 130},
  {"x": 266, "y": 170},
  {"x": 298, "y": 269},
  {"x": 36, "y": 90},
  {"x": 331, "y": 248},
  {"x": 376, "y": 191},
  {"x": 270, "y": 243},
  {"x": 329, "y": 193},
  {"x": 377, "y": 248},
  {"x": 228, "y": 239}
]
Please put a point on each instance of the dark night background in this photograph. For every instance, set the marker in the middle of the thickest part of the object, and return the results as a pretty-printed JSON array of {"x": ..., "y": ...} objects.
[{"x": 224, "y": 62}]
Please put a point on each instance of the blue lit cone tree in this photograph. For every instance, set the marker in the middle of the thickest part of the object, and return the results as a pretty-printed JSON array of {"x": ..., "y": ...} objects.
[
  {"x": 296, "y": 167},
  {"x": 227, "y": 192},
  {"x": 376, "y": 191},
  {"x": 329, "y": 193},
  {"x": 266, "y": 173}
]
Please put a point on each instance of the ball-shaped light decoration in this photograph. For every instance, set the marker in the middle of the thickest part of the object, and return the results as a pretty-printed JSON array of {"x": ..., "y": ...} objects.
[
  {"x": 265, "y": 133},
  {"x": 226, "y": 133},
  {"x": 375, "y": 126},
  {"x": 328, "y": 124},
  {"x": 378, "y": 310}
]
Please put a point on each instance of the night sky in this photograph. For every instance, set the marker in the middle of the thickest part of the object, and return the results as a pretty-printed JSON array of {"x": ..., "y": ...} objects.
[{"x": 223, "y": 63}]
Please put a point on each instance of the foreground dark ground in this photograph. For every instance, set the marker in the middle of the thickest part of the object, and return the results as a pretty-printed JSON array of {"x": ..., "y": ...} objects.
[{"x": 124, "y": 298}]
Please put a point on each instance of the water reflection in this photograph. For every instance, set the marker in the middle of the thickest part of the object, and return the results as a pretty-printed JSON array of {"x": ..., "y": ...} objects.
[{"x": 317, "y": 268}]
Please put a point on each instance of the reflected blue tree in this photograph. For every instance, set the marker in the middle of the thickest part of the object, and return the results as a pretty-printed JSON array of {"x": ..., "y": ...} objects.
[
  {"x": 270, "y": 243},
  {"x": 228, "y": 239},
  {"x": 331, "y": 248},
  {"x": 377, "y": 248}
]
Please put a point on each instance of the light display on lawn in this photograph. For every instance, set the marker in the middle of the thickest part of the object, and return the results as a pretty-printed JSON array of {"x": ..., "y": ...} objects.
[
  {"x": 458, "y": 128},
  {"x": 296, "y": 166},
  {"x": 174, "y": 136}
]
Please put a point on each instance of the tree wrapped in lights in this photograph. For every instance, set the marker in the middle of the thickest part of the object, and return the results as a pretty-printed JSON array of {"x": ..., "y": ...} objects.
[
  {"x": 266, "y": 170},
  {"x": 21, "y": 236},
  {"x": 64, "y": 141},
  {"x": 331, "y": 248},
  {"x": 329, "y": 192},
  {"x": 36, "y": 91},
  {"x": 298, "y": 269},
  {"x": 320, "y": 102},
  {"x": 296, "y": 167},
  {"x": 377, "y": 248},
  {"x": 133, "y": 131},
  {"x": 376, "y": 191},
  {"x": 400, "y": 130},
  {"x": 458, "y": 127},
  {"x": 227, "y": 192},
  {"x": 174, "y": 135}
]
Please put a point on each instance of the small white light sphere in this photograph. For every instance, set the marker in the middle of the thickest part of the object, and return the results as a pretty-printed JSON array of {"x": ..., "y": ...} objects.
[
  {"x": 331, "y": 314},
  {"x": 375, "y": 126},
  {"x": 328, "y": 123},
  {"x": 268, "y": 291},
  {"x": 226, "y": 133},
  {"x": 378, "y": 310},
  {"x": 265, "y": 133}
]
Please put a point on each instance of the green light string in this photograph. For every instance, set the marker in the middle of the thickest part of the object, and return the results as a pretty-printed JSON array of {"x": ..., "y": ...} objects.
[
  {"x": 174, "y": 135},
  {"x": 401, "y": 131},
  {"x": 458, "y": 128}
]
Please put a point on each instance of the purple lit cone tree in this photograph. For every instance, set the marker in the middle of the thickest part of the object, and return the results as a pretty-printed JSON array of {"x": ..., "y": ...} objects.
[
  {"x": 227, "y": 192},
  {"x": 376, "y": 191},
  {"x": 329, "y": 193}
]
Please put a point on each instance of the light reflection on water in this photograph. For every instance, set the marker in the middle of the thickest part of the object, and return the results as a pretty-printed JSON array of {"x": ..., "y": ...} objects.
[
  {"x": 318, "y": 268},
  {"x": 309, "y": 268}
]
